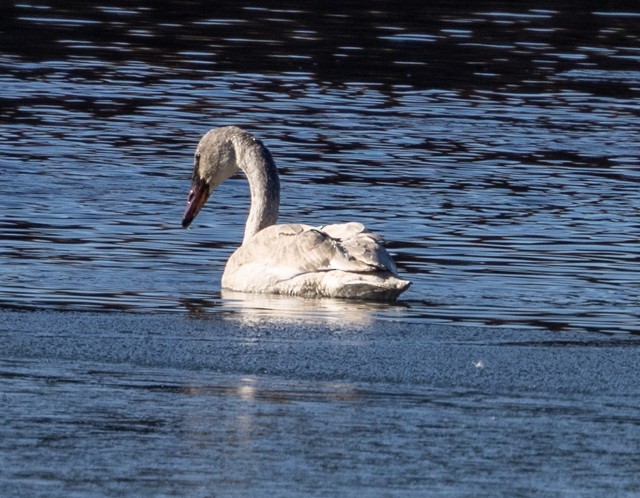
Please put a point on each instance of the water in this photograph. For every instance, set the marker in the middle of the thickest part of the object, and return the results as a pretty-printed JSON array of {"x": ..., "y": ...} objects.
[
  {"x": 496, "y": 148},
  {"x": 138, "y": 404}
]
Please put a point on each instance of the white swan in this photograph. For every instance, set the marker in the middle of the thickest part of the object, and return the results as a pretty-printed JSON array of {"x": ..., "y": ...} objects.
[{"x": 342, "y": 261}]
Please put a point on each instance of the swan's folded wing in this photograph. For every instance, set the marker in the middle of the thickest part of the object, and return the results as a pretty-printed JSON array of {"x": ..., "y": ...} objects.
[
  {"x": 290, "y": 250},
  {"x": 361, "y": 245},
  {"x": 294, "y": 259},
  {"x": 283, "y": 252}
]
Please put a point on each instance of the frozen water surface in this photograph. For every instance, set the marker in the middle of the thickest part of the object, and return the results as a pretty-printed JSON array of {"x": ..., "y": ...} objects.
[{"x": 173, "y": 405}]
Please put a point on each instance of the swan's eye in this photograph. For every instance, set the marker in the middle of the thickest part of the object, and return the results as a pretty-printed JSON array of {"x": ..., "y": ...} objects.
[{"x": 196, "y": 164}]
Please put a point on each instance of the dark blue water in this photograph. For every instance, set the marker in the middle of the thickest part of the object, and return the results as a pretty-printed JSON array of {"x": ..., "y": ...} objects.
[{"x": 495, "y": 146}]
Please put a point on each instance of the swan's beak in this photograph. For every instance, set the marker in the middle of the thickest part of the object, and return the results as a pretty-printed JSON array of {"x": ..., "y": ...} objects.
[{"x": 198, "y": 195}]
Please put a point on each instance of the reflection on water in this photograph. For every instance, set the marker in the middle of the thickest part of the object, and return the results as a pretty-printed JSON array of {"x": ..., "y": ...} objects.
[
  {"x": 496, "y": 148},
  {"x": 251, "y": 308}
]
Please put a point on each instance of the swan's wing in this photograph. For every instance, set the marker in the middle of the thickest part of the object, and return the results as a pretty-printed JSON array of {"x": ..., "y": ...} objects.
[
  {"x": 361, "y": 245},
  {"x": 286, "y": 251},
  {"x": 278, "y": 252}
]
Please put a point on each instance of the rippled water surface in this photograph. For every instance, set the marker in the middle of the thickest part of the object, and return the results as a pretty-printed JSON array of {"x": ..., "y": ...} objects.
[{"x": 495, "y": 147}]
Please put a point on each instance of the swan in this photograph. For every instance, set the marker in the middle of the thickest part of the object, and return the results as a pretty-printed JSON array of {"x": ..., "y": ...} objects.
[{"x": 339, "y": 261}]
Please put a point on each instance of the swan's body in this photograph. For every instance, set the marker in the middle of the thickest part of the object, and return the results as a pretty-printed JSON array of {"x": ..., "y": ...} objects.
[{"x": 343, "y": 261}]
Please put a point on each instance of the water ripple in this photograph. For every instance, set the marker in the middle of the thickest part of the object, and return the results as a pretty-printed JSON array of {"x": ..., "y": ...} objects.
[{"x": 496, "y": 150}]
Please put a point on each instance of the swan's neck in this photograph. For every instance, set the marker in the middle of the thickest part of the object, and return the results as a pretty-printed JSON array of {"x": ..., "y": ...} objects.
[{"x": 261, "y": 171}]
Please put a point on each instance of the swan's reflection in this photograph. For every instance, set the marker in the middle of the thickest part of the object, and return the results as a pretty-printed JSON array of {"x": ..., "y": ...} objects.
[{"x": 252, "y": 308}]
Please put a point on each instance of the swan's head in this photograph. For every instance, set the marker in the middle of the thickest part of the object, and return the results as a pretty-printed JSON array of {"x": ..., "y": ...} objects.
[{"x": 214, "y": 162}]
